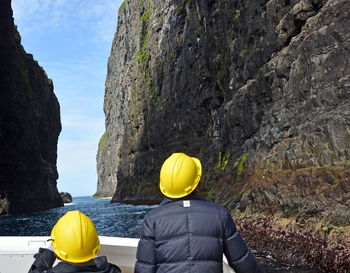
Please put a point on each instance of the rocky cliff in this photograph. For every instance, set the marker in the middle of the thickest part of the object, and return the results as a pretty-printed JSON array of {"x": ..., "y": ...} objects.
[
  {"x": 29, "y": 127},
  {"x": 106, "y": 181},
  {"x": 260, "y": 92}
]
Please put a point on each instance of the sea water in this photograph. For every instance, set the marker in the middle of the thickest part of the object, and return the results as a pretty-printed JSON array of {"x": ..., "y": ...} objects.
[{"x": 114, "y": 219}]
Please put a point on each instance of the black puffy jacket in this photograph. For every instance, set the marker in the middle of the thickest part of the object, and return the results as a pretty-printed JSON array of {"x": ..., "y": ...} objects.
[
  {"x": 191, "y": 235},
  {"x": 45, "y": 258}
]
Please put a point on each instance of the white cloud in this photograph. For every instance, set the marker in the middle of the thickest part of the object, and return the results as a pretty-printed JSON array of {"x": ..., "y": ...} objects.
[
  {"x": 77, "y": 167},
  {"x": 104, "y": 14},
  {"x": 24, "y": 8},
  {"x": 40, "y": 15},
  {"x": 98, "y": 18},
  {"x": 75, "y": 153},
  {"x": 90, "y": 127},
  {"x": 59, "y": 3}
]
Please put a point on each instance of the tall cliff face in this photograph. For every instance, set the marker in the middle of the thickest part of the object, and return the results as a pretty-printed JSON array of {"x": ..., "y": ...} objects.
[
  {"x": 29, "y": 127},
  {"x": 258, "y": 90}
]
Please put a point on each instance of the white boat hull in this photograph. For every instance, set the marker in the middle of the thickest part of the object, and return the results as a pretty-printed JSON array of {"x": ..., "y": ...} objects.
[{"x": 16, "y": 253}]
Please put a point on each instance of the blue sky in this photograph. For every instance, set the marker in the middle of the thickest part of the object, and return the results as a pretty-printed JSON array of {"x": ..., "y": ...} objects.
[{"x": 71, "y": 40}]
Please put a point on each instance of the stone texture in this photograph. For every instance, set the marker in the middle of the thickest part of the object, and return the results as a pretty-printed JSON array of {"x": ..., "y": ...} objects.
[
  {"x": 66, "y": 197},
  {"x": 29, "y": 127},
  {"x": 258, "y": 90}
]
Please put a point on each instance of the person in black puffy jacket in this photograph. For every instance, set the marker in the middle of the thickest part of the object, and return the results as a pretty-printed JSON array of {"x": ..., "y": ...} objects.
[
  {"x": 75, "y": 242},
  {"x": 187, "y": 233}
]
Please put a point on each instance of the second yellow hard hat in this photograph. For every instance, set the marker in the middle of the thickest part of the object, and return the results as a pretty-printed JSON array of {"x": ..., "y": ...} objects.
[
  {"x": 74, "y": 238},
  {"x": 179, "y": 175}
]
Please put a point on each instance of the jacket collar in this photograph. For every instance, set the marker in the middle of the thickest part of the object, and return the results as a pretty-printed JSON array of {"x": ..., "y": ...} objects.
[
  {"x": 95, "y": 262},
  {"x": 191, "y": 196}
]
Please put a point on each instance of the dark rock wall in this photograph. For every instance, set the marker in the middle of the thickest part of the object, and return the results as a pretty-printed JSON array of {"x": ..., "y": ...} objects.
[
  {"x": 258, "y": 90},
  {"x": 29, "y": 127}
]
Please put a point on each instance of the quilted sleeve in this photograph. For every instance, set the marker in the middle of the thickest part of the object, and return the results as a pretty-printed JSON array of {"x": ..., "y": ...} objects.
[
  {"x": 238, "y": 255},
  {"x": 145, "y": 255}
]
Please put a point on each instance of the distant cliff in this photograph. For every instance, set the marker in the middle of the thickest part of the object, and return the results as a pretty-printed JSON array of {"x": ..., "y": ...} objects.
[
  {"x": 106, "y": 181},
  {"x": 260, "y": 92},
  {"x": 29, "y": 127}
]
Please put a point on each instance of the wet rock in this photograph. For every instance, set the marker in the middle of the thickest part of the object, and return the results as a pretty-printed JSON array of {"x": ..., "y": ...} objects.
[
  {"x": 297, "y": 245},
  {"x": 66, "y": 197}
]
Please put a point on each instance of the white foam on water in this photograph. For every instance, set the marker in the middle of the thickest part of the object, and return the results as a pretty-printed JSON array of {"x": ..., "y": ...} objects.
[{"x": 108, "y": 198}]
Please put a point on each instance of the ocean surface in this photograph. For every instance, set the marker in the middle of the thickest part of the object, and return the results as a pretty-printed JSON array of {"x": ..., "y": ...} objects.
[{"x": 115, "y": 219}]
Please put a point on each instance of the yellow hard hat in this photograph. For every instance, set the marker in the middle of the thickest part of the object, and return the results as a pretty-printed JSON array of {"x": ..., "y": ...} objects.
[
  {"x": 74, "y": 238},
  {"x": 179, "y": 175}
]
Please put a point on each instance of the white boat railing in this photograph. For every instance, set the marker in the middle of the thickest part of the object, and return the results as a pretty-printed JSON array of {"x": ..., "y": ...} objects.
[{"x": 16, "y": 252}]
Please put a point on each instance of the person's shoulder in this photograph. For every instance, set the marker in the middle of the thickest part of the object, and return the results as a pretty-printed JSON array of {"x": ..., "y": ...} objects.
[
  {"x": 216, "y": 209},
  {"x": 102, "y": 262},
  {"x": 167, "y": 208},
  {"x": 113, "y": 268},
  {"x": 152, "y": 213},
  {"x": 172, "y": 207},
  {"x": 212, "y": 206},
  {"x": 163, "y": 208}
]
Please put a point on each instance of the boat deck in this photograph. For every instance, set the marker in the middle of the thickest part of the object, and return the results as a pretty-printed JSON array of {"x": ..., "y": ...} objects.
[{"x": 16, "y": 253}]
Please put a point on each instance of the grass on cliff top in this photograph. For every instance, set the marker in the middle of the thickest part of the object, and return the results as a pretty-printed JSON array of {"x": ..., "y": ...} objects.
[
  {"x": 121, "y": 8},
  {"x": 102, "y": 142}
]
